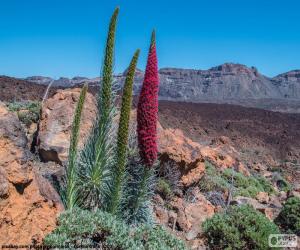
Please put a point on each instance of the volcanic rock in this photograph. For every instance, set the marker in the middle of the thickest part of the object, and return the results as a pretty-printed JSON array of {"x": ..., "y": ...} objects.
[
  {"x": 56, "y": 123},
  {"x": 28, "y": 203}
]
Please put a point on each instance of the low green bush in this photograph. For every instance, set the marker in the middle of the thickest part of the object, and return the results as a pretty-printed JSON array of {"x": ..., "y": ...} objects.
[
  {"x": 164, "y": 188},
  {"x": 214, "y": 180},
  {"x": 289, "y": 217},
  {"x": 247, "y": 186},
  {"x": 102, "y": 229},
  {"x": 239, "y": 228},
  {"x": 28, "y": 112},
  {"x": 281, "y": 182}
]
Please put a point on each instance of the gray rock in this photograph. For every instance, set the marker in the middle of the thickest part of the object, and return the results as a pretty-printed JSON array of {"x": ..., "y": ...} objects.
[{"x": 227, "y": 83}]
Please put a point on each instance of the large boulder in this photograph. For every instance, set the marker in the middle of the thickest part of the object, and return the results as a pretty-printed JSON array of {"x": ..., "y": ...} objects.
[
  {"x": 56, "y": 123},
  {"x": 190, "y": 156},
  {"x": 28, "y": 203}
]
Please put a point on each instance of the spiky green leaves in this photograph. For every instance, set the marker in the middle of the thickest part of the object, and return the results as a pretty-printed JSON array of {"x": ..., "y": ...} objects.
[
  {"x": 97, "y": 158},
  {"x": 71, "y": 195},
  {"x": 139, "y": 191},
  {"x": 102, "y": 164},
  {"x": 123, "y": 133}
]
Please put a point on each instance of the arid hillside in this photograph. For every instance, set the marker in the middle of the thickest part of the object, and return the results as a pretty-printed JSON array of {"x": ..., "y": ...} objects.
[
  {"x": 200, "y": 146},
  {"x": 274, "y": 132},
  {"x": 262, "y": 136}
]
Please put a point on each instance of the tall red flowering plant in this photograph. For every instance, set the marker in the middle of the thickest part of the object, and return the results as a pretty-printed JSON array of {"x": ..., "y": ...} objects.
[{"x": 148, "y": 108}]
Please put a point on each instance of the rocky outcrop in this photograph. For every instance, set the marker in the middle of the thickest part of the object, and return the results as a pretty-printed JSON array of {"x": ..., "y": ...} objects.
[
  {"x": 56, "y": 122},
  {"x": 28, "y": 203},
  {"x": 185, "y": 215},
  {"x": 288, "y": 84},
  {"x": 271, "y": 210},
  {"x": 189, "y": 155},
  {"x": 228, "y": 82}
]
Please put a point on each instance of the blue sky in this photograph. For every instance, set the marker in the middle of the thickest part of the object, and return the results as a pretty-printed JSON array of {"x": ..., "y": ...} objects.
[{"x": 66, "y": 38}]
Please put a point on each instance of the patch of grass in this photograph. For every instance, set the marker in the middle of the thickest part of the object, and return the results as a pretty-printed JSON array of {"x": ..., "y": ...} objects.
[
  {"x": 102, "y": 229},
  {"x": 214, "y": 180},
  {"x": 239, "y": 228},
  {"x": 28, "y": 112}
]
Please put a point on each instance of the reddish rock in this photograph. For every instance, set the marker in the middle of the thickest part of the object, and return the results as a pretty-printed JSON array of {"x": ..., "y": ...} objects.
[
  {"x": 194, "y": 175},
  {"x": 182, "y": 221},
  {"x": 172, "y": 220},
  {"x": 225, "y": 140},
  {"x": 190, "y": 215},
  {"x": 274, "y": 200},
  {"x": 27, "y": 213},
  {"x": 190, "y": 155},
  {"x": 161, "y": 215},
  {"x": 263, "y": 197},
  {"x": 56, "y": 122},
  {"x": 241, "y": 168},
  {"x": 293, "y": 193},
  {"x": 268, "y": 211},
  {"x": 174, "y": 145}
]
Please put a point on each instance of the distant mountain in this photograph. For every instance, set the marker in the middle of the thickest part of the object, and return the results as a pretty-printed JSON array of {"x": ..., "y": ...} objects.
[
  {"x": 225, "y": 82},
  {"x": 62, "y": 81},
  {"x": 288, "y": 84}
]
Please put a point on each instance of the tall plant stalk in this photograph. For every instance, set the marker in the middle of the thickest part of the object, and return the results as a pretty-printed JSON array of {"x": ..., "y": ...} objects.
[
  {"x": 136, "y": 208},
  {"x": 123, "y": 133},
  {"x": 71, "y": 194},
  {"x": 107, "y": 71},
  {"x": 97, "y": 156},
  {"x": 147, "y": 110}
]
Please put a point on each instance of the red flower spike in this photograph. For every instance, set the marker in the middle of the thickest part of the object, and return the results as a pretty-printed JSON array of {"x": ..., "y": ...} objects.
[{"x": 147, "y": 110}]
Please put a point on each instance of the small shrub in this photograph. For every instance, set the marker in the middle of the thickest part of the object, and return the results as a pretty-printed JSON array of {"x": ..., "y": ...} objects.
[
  {"x": 28, "y": 112},
  {"x": 218, "y": 181},
  {"x": 240, "y": 228},
  {"x": 157, "y": 238},
  {"x": 101, "y": 229},
  {"x": 212, "y": 180},
  {"x": 289, "y": 217},
  {"x": 216, "y": 198},
  {"x": 247, "y": 186},
  {"x": 281, "y": 182},
  {"x": 163, "y": 188},
  {"x": 169, "y": 170}
]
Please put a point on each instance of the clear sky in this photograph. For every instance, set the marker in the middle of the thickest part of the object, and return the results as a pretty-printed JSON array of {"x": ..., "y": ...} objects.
[{"x": 66, "y": 37}]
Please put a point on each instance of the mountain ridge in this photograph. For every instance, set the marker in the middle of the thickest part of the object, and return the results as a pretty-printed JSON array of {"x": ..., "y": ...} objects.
[{"x": 227, "y": 83}]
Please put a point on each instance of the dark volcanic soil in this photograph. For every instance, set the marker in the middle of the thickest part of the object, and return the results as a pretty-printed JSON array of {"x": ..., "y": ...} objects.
[
  {"x": 13, "y": 89},
  {"x": 257, "y": 133}
]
